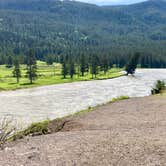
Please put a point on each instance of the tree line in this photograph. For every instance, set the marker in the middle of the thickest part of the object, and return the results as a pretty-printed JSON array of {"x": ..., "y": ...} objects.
[
  {"x": 31, "y": 63},
  {"x": 81, "y": 65},
  {"x": 71, "y": 65},
  {"x": 60, "y": 27}
]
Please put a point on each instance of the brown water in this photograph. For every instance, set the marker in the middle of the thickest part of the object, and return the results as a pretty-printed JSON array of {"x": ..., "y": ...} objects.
[{"x": 36, "y": 104}]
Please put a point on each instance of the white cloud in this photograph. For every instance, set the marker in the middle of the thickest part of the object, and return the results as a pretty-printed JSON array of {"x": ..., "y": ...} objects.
[{"x": 111, "y": 2}]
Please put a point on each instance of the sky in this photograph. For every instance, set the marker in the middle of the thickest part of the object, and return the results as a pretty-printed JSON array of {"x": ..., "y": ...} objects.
[{"x": 112, "y": 2}]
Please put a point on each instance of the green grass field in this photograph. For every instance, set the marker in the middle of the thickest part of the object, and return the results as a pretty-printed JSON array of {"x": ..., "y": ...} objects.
[{"x": 47, "y": 75}]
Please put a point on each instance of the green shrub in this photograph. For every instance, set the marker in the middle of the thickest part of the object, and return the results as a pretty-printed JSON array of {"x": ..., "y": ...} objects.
[
  {"x": 120, "y": 98},
  {"x": 40, "y": 128},
  {"x": 159, "y": 86}
]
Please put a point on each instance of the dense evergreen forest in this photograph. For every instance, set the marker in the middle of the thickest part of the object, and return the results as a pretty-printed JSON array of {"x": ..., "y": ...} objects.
[{"x": 73, "y": 31}]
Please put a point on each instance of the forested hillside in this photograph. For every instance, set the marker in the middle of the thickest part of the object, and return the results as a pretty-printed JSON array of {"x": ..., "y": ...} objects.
[{"x": 71, "y": 28}]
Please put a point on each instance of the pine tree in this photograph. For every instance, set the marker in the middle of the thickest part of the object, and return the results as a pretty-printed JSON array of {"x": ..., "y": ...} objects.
[
  {"x": 105, "y": 64},
  {"x": 17, "y": 71},
  {"x": 82, "y": 65},
  {"x": 94, "y": 66},
  {"x": 71, "y": 69},
  {"x": 9, "y": 62},
  {"x": 49, "y": 59},
  {"x": 31, "y": 66},
  {"x": 132, "y": 64},
  {"x": 64, "y": 68}
]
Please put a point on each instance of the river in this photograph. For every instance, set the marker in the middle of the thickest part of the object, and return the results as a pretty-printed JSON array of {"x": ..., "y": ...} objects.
[{"x": 50, "y": 102}]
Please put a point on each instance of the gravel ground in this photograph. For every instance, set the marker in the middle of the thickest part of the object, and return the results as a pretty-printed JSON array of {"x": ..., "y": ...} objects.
[{"x": 125, "y": 133}]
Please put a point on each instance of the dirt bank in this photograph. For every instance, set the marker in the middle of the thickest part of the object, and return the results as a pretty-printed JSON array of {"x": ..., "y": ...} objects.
[{"x": 129, "y": 132}]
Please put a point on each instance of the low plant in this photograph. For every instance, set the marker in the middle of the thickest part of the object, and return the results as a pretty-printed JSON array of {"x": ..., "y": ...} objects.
[
  {"x": 40, "y": 128},
  {"x": 159, "y": 86},
  {"x": 120, "y": 98},
  {"x": 7, "y": 129}
]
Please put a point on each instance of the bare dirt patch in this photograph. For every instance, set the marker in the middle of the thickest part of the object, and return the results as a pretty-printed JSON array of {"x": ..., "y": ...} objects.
[{"x": 129, "y": 132}]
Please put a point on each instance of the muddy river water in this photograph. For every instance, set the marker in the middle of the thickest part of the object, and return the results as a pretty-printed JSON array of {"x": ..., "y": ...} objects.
[{"x": 36, "y": 104}]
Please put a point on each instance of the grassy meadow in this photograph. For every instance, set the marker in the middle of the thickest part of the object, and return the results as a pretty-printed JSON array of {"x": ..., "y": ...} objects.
[{"x": 47, "y": 75}]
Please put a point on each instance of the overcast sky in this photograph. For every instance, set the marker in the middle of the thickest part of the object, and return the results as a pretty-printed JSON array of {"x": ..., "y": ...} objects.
[{"x": 112, "y": 2}]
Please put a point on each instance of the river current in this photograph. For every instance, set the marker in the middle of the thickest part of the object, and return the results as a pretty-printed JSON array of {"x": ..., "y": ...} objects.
[{"x": 50, "y": 102}]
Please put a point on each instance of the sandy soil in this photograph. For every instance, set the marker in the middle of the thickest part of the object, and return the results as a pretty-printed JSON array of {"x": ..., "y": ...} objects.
[{"x": 130, "y": 132}]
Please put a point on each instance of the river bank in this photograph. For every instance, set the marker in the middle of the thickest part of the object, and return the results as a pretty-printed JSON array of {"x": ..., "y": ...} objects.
[{"x": 130, "y": 132}]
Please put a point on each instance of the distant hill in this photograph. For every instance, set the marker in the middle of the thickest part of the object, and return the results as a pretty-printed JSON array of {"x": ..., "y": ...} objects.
[{"x": 53, "y": 26}]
